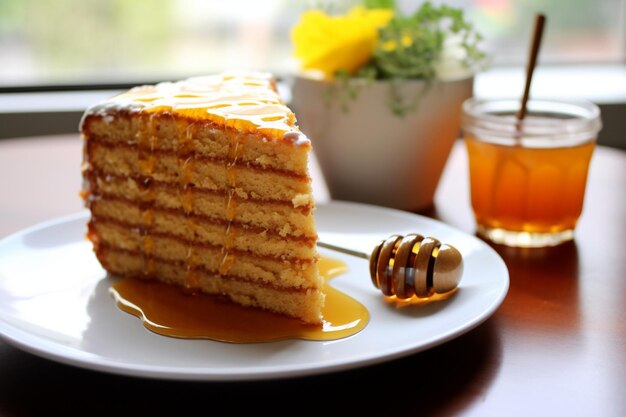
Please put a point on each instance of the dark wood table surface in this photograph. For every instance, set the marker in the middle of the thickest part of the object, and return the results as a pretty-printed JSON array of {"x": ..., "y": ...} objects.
[{"x": 555, "y": 347}]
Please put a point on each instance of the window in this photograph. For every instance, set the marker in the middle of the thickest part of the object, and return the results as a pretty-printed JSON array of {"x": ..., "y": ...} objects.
[
  {"x": 47, "y": 42},
  {"x": 577, "y": 31}
]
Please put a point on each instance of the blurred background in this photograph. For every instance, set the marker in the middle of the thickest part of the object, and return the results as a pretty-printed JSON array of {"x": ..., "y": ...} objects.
[{"x": 59, "y": 56}]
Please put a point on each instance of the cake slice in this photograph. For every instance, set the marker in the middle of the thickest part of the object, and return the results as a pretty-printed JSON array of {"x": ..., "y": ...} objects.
[{"x": 204, "y": 183}]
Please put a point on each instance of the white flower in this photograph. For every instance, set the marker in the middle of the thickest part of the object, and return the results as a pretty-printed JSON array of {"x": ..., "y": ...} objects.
[{"x": 451, "y": 63}]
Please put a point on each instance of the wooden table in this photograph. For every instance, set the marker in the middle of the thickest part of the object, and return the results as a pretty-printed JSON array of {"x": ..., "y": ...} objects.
[{"x": 555, "y": 347}]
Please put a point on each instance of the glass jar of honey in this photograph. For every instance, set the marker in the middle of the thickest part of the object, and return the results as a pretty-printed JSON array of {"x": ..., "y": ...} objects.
[{"x": 528, "y": 177}]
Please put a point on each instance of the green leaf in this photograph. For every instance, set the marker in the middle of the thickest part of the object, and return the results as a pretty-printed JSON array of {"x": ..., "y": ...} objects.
[{"x": 379, "y": 4}]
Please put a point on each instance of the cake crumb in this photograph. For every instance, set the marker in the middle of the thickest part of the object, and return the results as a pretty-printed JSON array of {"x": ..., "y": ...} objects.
[
  {"x": 301, "y": 200},
  {"x": 264, "y": 160},
  {"x": 285, "y": 230}
]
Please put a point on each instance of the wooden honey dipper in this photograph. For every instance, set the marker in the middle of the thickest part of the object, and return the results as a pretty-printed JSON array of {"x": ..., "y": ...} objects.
[{"x": 411, "y": 265}]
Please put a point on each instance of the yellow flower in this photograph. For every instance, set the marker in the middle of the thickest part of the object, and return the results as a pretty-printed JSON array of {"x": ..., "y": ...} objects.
[
  {"x": 392, "y": 45},
  {"x": 331, "y": 43}
]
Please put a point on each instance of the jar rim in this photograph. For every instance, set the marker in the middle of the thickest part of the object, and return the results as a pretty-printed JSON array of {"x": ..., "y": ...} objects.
[
  {"x": 495, "y": 120},
  {"x": 584, "y": 109}
]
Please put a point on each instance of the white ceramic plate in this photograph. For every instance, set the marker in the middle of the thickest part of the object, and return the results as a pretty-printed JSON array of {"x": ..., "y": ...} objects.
[{"x": 54, "y": 302}]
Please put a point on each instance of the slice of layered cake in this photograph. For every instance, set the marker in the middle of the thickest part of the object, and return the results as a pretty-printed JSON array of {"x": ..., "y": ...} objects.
[{"x": 204, "y": 183}]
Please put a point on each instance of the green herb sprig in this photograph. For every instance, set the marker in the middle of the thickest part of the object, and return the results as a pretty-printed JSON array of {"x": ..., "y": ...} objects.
[{"x": 409, "y": 46}]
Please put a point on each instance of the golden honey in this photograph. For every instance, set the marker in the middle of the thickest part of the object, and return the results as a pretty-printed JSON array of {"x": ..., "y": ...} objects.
[
  {"x": 526, "y": 189},
  {"x": 169, "y": 311}
]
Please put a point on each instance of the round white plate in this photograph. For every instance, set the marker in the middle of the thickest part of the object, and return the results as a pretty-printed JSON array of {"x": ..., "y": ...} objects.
[{"x": 54, "y": 302}]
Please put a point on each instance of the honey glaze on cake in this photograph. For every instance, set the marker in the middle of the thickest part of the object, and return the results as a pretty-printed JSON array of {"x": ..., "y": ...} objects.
[
  {"x": 246, "y": 101},
  {"x": 167, "y": 311}
]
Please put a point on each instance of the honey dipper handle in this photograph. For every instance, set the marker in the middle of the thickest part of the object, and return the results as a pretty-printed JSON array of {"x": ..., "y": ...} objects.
[{"x": 343, "y": 250}]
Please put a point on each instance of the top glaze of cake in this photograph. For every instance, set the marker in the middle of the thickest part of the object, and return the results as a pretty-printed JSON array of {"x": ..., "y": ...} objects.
[{"x": 247, "y": 101}]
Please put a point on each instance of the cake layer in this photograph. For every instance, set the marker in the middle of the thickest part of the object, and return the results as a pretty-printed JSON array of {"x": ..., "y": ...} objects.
[
  {"x": 203, "y": 139},
  {"x": 202, "y": 231},
  {"x": 208, "y": 174},
  {"x": 304, "y": 304},
  {"x": 278, "y": 216},
  {"x": 281, "y": 273}
]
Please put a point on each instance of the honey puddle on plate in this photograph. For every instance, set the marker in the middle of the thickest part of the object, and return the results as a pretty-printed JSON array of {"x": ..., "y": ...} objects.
[{"x": 167, "y": 310}]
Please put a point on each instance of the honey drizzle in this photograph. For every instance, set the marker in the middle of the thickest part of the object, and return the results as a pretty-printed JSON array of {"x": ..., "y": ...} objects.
[
  {"x": 185, "y": 157},
  {"x": 166, "y": 310},
  {"x": 146, "y": 144},
  {"x": 235, "y": 149}
]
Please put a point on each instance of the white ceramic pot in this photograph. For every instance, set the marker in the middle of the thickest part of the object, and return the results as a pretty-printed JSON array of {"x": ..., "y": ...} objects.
[{"x": 371, "y": 155}]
